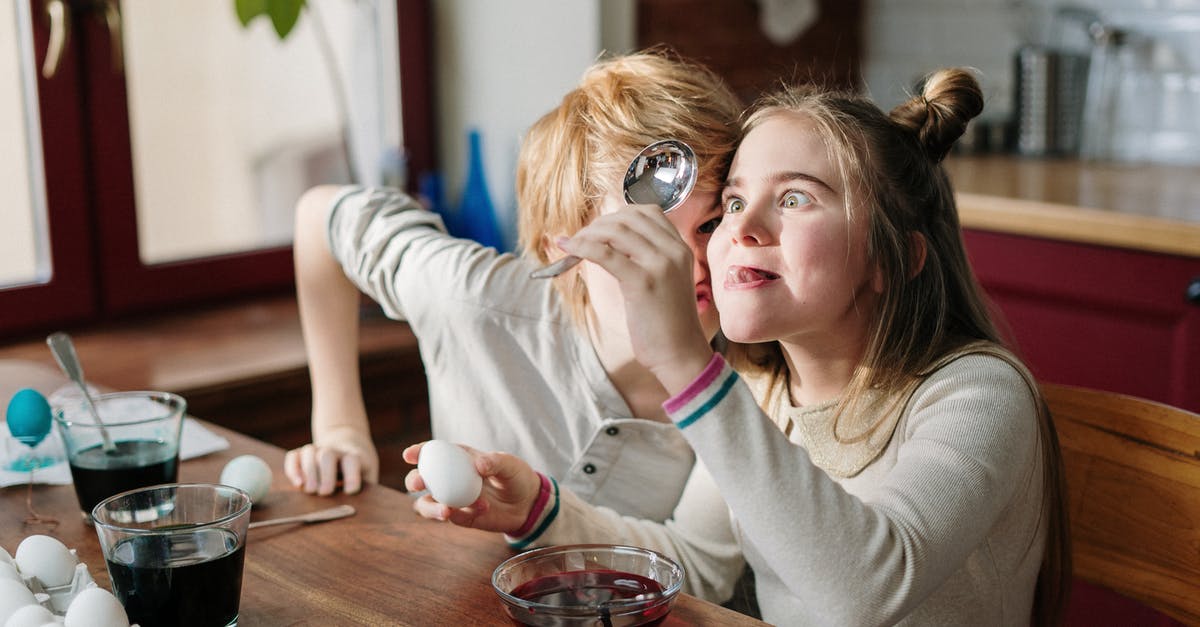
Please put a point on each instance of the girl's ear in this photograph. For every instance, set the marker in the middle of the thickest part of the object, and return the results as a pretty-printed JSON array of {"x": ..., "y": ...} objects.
[{"x": 918, "y": 248}]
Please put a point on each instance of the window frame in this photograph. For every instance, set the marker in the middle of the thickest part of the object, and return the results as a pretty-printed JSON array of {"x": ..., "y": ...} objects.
[{"x": 91, "y": 213}]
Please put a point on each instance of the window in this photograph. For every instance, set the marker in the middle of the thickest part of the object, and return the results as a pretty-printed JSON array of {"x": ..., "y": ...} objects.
[{"x": 162, "y": 172}]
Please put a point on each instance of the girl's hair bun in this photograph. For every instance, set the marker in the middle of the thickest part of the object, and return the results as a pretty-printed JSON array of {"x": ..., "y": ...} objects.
[{"x": 949, "y": 99}]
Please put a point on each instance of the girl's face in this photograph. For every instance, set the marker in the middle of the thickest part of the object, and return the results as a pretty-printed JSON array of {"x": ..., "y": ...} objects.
[
  {"x": 787, "y": 263},
  {"x": 695, "y": 219}
]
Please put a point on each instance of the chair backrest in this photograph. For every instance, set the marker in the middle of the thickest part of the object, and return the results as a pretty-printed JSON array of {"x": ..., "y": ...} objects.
[{"x": 1133, "y": 479}]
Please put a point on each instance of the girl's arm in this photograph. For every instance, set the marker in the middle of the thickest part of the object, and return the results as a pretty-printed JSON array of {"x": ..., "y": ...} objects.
[
  {"x": 531, "y": 509},
  {"x": 968, "y": 451}
]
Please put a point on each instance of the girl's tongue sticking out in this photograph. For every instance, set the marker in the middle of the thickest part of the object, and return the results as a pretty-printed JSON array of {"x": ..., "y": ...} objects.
[{"x": 745, "y": 276}]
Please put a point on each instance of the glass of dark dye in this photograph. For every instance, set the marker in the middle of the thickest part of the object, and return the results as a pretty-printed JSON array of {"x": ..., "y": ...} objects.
[
  {"x": 144, "y": 428},
  {"x": 175, "y": 552},
  {"x": 588, "y": 584}
]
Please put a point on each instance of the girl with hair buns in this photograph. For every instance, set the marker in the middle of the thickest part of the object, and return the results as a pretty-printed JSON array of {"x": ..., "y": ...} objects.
[
  {"x": 540, "y": 368},
  {"x": 883, "y": 457}
]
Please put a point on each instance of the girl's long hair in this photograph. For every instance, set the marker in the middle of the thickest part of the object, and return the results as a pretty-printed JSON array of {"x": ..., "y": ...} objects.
[{"x": 892, "y": 166}]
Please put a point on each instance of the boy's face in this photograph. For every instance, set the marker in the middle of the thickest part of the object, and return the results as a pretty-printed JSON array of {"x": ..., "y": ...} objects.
[{"x": 695, "y": 219}]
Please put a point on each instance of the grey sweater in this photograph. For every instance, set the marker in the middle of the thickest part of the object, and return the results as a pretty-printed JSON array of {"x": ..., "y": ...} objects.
[
  {"x": 936, "y": 522},
  {"x": 507, "y": 368}
]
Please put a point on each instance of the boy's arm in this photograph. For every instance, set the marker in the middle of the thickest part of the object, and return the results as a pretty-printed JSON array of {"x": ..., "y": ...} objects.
[{"x": 328, "y": 304}]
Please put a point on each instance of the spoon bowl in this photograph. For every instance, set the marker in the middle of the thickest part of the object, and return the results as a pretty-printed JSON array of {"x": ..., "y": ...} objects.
[{"x": 662, "y": 174}]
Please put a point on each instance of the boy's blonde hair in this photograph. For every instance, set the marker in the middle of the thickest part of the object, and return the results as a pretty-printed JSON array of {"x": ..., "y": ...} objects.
[{"x": 578, "y": 152}]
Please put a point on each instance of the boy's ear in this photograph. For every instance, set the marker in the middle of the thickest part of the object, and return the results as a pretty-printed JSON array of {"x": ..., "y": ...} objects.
[{"x": 918, "y": 248}]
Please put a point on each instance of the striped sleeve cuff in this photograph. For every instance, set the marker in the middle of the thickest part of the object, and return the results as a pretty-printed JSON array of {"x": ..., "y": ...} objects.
[
  {"x": 701, "y": 395},
  {"x": 544, "y": 511}
]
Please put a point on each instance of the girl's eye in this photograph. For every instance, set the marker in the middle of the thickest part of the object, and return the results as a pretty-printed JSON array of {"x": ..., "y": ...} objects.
[
  {"x": 795, "y": 200},
  {"x": 734, "y": 205},
  {"x": 710, "y": 226}
]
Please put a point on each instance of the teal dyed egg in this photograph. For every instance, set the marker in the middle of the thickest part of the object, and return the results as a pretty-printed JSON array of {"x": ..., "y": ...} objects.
[{"x": 28, "y": 417}]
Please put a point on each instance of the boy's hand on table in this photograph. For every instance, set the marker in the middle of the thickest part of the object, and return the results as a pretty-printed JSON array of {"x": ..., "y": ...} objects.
[{"x": 341, "y": 454}]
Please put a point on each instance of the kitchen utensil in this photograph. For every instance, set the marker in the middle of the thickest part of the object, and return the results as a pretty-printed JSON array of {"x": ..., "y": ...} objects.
[
  {"x": 588, "y": 584},
  {"x": 63, "y": 350},
  {"x": 662, "y": 174},
  {"x": 333, "y": 513}
]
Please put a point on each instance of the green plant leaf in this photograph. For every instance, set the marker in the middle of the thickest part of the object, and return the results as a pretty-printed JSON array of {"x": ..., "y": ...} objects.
[
  {"x": 249, "y": 9},
  {"x": 284, "y": 14}
]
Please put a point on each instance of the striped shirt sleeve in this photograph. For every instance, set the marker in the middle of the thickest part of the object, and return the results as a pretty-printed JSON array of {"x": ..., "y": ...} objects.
[
  {"x": 702, "y": 395},
  {"x": 544, "y": 511}
]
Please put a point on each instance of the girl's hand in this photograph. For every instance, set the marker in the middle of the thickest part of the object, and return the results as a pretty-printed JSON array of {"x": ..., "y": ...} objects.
[
  {"x": 644, "y": 252},
  {"x": 510, "y": 487}
]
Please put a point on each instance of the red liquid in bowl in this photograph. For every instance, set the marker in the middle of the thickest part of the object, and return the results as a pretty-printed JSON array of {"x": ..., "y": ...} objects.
[{"x": 593, "y": 588}]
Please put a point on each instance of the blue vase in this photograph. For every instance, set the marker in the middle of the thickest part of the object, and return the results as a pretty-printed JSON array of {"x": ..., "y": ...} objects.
[
  {"x": 476, "y": 214},
  {"x": 429, "y": 188}
]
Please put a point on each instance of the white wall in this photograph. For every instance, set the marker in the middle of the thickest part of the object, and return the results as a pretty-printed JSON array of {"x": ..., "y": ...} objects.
[{"x": 498, "y": 67}]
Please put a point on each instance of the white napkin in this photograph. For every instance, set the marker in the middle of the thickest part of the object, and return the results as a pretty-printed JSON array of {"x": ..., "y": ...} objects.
[{"x": 195, "y": 441}]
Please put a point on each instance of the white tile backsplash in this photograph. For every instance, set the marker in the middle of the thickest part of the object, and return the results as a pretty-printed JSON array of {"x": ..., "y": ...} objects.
[{"x": 905, "y": 39}]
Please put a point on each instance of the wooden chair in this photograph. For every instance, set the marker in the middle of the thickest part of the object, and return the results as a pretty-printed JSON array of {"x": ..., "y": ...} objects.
[{"x": 1133, "y": 480}]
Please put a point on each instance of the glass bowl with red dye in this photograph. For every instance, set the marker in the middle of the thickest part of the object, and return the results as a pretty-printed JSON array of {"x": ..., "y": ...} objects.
[{"x": 588, "y": 584}]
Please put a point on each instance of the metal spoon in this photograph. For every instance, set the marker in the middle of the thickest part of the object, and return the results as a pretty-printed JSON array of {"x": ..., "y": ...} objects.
[
  {"x": 662, "y": 174},
  {"x": 333, "y": 513},
  {"x": 63, "y": 350}
]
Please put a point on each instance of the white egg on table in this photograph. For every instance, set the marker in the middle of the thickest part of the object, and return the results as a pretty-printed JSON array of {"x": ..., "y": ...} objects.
[
  {"x": 46, "y": 558},
  {"x": 30, "y": 616},
  {"x": 249, "y": 473},
  {"x": 449, "y": 473},
  {"x": 13, "y": 596},
  {"x": 5, "y": 558},
  {"x": 96, "y": 607}
]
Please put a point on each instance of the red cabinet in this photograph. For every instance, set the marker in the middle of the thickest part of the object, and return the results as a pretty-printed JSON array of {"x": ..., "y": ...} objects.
[{"x": 1094, "y": 316}]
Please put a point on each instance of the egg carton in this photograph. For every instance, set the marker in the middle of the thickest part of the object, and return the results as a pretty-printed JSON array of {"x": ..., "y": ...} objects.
[{"x": 58, "y": 598}]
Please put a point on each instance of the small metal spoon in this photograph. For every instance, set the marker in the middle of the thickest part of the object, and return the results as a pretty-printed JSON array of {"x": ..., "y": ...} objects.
[
  {"x": 333, "y": 513},
  {"x": 63, "y": 350},
  {"x": 662, "y": 174}
]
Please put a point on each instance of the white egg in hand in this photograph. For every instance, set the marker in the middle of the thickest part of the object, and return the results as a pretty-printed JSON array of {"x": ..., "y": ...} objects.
[
  {"x": 249, "y": 473},
  {"x": 449, "y": 473},
  {"x": 13, "y": 596},
  {"x": 47, "y": 559},
  {"x": 30, "y": 616},
  {"x": 96, "y": 607}
]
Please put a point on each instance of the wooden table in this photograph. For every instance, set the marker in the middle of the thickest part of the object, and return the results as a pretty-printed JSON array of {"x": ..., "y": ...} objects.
[{"x": 384, "y": 566}]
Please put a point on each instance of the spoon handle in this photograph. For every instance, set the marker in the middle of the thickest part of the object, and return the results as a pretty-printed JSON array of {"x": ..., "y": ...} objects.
[
  {"x": 63, "y": 350},
  {"x": 333, "y": 513},
  {"x": 558, "y": 267}
]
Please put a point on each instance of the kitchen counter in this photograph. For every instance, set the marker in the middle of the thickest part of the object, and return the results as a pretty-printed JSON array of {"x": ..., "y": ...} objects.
[{"x": 1153, "y": 208}]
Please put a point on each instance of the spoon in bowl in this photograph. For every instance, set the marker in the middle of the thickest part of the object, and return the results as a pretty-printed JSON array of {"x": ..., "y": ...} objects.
[{"x": 662, "y": 174}]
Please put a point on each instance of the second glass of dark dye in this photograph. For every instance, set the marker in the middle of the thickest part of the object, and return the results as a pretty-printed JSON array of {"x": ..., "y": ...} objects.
[{"x": 175, "y": 553}]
